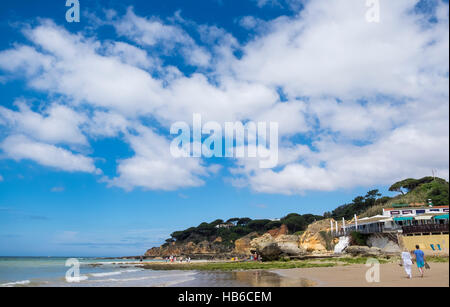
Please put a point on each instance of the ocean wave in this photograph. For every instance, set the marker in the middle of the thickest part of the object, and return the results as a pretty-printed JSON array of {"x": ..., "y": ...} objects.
[
  {"x": 16, "y": 284},
  {"x": 150, "y": 278},
  {"x": 112, "y": 273}
]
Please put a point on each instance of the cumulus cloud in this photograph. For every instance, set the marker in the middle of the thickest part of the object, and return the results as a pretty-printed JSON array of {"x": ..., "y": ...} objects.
[
  {"x": 357, "y": 103},
  {"x": 20, "y": 147},
  {"x": 154, "y": 168},
  {"x": 154, "y": 33},
  {"x": 25, "y": 59},
  {"x": 329, "y": 49},
  {"x": 56, "y": 124}
]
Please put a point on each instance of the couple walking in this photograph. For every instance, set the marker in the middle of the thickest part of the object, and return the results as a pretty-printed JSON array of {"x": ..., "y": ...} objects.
[{"x": 408, "y": 262}]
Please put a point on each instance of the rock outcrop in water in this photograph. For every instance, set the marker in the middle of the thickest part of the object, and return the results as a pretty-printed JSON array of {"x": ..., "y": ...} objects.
[{"x": 204, "y": 249}]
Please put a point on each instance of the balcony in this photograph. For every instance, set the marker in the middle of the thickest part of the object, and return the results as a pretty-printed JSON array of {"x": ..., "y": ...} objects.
[{"x": 432, "y": 228}]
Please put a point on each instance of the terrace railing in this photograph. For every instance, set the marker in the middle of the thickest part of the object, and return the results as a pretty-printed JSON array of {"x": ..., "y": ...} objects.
[{"x": 432, "y": 228}]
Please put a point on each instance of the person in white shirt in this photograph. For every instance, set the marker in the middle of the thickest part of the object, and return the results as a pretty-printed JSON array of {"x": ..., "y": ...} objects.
[{"x": 407, "y": 262}]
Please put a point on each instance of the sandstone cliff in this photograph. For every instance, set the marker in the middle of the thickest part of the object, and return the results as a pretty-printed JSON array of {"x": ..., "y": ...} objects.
[
  {"x": 242, "y": 246},
  {"x": 316, "y": 238},
  {"x": 271, "y": 245},
  {"x": 277, "y": 243}
]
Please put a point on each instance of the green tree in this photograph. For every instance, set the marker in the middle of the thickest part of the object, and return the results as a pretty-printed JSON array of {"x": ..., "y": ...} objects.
[
  {"x": 294, "y": 222},
  {"x": 244, "y": 221}
]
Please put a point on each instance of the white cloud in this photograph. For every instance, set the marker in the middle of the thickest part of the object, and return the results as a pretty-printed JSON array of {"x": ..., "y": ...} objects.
[
  {"x": 366, "y": 103},
  {"x": 153, "y": 33},
  {"x": 409, "y": 151},
  {"x": 154, "y": 168},
  {"x": 376, "y": 95},
  {"x": 107, "y": 124},
  {"x": 19, "y": 147},
  {"x": 131, "y": 91},
  {"x": 25, "y": 59},
  {"x": 330, "y": 49},
  {"x": 130, "y": 54},
  {"x": 57, "y": 124},
  {"x": 83, "y": 75}
]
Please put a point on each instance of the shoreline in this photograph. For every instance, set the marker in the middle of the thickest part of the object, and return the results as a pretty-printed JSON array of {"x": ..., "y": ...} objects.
[{"x": 340, "y": 272}]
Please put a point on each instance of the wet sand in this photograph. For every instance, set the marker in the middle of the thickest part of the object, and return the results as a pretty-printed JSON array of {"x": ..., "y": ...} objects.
[
  {"x": 391, "y": 275},
  {"x": 251, "y": 278}
]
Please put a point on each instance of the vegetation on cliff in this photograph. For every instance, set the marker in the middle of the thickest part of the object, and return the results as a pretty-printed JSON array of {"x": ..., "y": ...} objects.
[
  {"x": 411, "y": 191},
  {"x": 231, "y": 230},
  {"x": 420, "y": 190},
  {"x": 358, "y": 205}
]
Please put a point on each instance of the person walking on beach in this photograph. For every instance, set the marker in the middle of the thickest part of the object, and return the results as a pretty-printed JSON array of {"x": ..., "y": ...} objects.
[
  {"x": 420, "y": 259},
  {"x": 407, "y": 262}
]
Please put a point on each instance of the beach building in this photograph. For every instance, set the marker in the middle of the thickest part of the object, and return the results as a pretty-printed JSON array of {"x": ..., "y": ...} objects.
[
  {"x": 402, "y": 210},
  {"x": 426, "y": 226},
  {"x": 225, "y": 225},
  {"x": 403, "y": 219}
]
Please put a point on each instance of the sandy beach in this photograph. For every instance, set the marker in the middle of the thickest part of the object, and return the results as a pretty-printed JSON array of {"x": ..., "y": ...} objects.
[{"x": 391, "y": 275}]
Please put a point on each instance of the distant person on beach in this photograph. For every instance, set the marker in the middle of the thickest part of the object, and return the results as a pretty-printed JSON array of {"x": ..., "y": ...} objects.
[
  {"x": 420, "y": 259},
  {"x": 407, "y": 262}
]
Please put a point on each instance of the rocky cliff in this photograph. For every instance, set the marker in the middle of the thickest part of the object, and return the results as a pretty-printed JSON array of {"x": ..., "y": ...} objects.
[
  {"x": 242, "y": 246},
  {"x": 316, "y": 238},
  {"x": 271, "y": 245},
  {"x": 277, "y": 243}
]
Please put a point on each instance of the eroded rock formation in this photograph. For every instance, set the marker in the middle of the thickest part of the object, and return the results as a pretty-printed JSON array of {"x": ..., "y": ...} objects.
[
  {"x": 316, "y": 238},
  {"x": 202, "y": 249}
]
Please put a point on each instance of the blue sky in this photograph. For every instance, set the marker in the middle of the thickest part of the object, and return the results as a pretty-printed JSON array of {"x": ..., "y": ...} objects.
[{"x": 86, "y": 108}]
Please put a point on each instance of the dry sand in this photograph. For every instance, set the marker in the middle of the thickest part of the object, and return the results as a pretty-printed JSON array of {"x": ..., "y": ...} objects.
[{"x": 391, "y": 275}]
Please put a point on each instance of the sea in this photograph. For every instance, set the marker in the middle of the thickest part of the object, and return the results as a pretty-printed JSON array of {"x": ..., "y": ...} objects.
[
  {"x": 102, "y": 272},
  {"x": 93, "y": 272}
]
